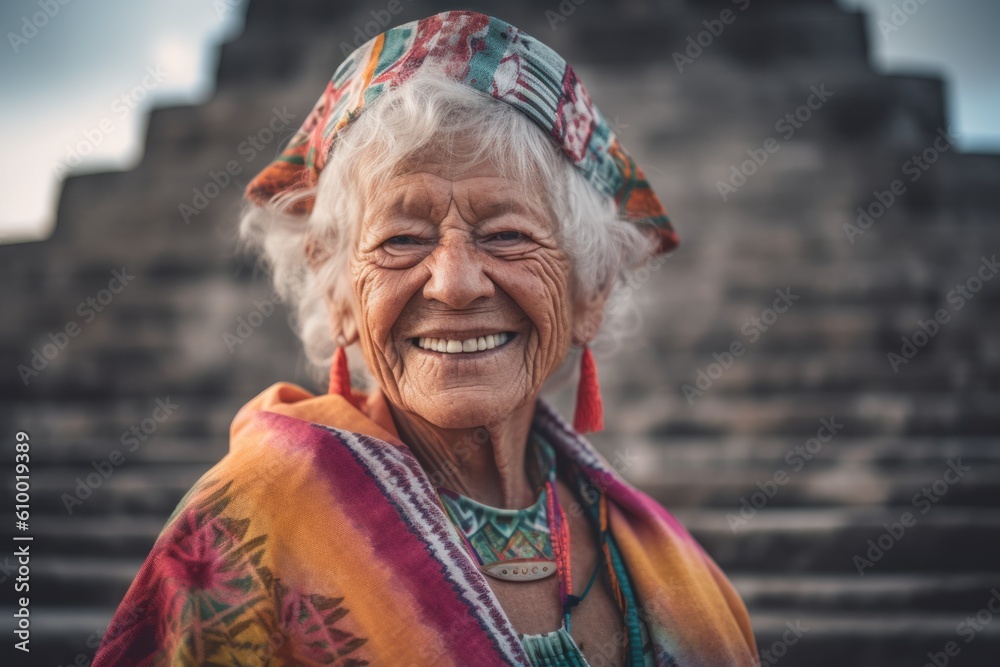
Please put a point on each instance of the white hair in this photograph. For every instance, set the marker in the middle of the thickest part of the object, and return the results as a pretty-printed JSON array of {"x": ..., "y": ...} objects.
[{"x": 430, "y": 112}]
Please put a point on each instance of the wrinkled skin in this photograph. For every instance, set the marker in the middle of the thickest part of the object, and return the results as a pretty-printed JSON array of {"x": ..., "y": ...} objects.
[
  {"x": 436, "y": 254},
  {"x": 449, "y": 249},
  {"x": 440, "y": 249}
]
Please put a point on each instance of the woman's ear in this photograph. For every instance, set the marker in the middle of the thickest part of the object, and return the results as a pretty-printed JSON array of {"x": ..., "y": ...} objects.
[
  {"x": 343, "y": 327},
  {"x": 588, "y": 313},
  {"x": 316, "y": 253}
]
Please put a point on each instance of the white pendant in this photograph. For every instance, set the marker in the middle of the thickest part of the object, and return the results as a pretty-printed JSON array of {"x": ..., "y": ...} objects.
[{"x": 520, "y": 569}]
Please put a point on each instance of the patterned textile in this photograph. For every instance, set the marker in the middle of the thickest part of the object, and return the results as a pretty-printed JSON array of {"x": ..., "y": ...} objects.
[
  {"x": 488, "y": 55},
  {"x": 319, "y": 540}
]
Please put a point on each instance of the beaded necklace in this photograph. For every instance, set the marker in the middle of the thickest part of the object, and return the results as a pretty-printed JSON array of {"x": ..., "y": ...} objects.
[
  {"x": 522, "y": 544},
  {"x": 521, "y": 540},
  {"x": 514, "y": 544}
]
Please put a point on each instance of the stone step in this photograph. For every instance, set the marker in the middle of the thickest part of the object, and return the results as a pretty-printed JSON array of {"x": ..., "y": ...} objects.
[
  {"x": 892, "y": 454},
  {"x": 960, "y": 593},
  {"x": 74, "y": 582},
  {"x": 766, "y": 5},
  {"x": 149, "y": 312},
  {"x": 815, "y": 32},
  {"x": 113, "y": 416},
  {"x": 818, "y": 490},
  {"x": 774, "y": 374},
  {"x": 166, "y": 449},
  {"x": 873, "y": 638},
  {"x": 211, "y": 366},
  {"x": 106, "y": 489},
  {"x": 898, "y": 283},
  {"x": 791, "y": 236},
  {"x": 59, "y": 636},
  {"x": 804, "y": 33},
  {"x": 665, "y": 413},
  {"x": 829, "y": 540}
]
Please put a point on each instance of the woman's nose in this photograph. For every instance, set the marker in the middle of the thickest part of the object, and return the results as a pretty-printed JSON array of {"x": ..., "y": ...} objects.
[{"x": 458, "y": 274}]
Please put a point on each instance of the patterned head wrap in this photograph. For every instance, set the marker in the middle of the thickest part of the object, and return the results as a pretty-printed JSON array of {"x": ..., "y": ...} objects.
[{"x": 488, "y": 55}]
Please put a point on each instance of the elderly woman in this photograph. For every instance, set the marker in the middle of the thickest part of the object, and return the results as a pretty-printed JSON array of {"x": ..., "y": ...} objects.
[{"x": 457, "y": 208}]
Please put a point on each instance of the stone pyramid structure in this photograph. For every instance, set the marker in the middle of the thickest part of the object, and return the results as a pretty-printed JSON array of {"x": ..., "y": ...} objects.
[{"x": 811, "y": 383}]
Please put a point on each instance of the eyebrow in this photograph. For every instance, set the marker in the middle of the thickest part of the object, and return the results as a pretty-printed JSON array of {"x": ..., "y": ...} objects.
[{"x": 495, "y": 209}]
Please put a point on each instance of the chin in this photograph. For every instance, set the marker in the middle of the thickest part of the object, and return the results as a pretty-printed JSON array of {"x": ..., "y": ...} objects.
[{"x": 466, "y": 407}]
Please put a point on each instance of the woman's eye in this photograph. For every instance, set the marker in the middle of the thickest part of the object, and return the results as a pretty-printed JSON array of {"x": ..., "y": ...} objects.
[
  {"x": 401, "y": 240},
  {"x": 508, "y": 236}
]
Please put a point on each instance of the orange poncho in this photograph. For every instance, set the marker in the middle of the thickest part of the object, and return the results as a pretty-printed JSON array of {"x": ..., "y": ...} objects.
[{"x": 319, "y": 540}]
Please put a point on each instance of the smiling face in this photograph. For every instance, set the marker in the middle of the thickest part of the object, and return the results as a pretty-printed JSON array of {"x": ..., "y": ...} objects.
[{"x": 450, "y": 260}]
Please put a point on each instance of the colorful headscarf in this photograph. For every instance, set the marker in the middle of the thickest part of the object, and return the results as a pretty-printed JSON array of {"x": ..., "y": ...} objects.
[{"x": 488, "y": 55}]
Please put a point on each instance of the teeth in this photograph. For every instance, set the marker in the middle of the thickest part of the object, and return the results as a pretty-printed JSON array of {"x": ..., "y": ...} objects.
[{"x": 479, "y": 344}]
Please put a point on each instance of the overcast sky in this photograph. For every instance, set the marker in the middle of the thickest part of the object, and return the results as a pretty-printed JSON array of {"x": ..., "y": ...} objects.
[{"x": 83, "y": 79}]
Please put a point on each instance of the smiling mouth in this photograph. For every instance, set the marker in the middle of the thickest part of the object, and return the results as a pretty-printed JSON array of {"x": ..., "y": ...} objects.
[{"x": 467, "y": 346}]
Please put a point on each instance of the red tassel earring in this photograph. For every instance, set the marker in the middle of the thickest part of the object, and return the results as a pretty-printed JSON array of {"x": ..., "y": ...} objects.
[
  {"x": 589, "y": 414},
  {"x": 340, "y": 375}
]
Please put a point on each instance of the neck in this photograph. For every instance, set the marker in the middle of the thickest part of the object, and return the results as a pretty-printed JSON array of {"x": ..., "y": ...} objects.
[{"x": 485, "y": 463}]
